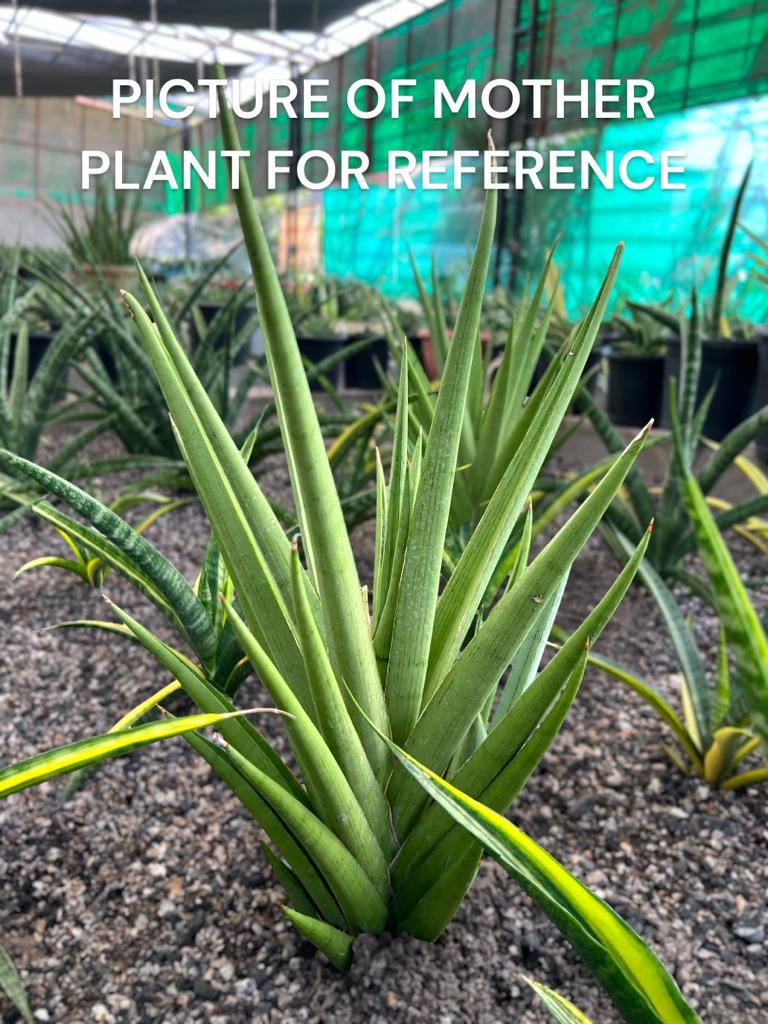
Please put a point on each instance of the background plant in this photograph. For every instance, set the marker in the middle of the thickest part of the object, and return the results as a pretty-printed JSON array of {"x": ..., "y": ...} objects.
[
  {"x": 30, "y": 395},
  {"x": 99, "y": 232},
  {"x": 674, "y": 536},
  {"x": 718, "y": 318},
  {"x": 638, "y": 332},
  {"x": 721, "y": 724}
]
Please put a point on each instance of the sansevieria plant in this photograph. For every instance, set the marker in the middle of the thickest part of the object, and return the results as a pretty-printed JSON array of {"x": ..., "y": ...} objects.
[
  {"x": 382, "y": 694},
  {"x": 724, "y": 723}
]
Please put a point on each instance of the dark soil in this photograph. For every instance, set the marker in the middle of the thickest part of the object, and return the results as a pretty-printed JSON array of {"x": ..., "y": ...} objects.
[{"x": 144, "y": 896}]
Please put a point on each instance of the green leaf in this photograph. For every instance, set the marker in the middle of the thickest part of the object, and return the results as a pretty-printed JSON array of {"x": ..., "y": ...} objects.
[
  {"x": 525, "y": 663},
  {"x": 290, "y": 882},
  {"x": 126, "y": 721},
  {"x": 631, "y": 974},
  {"x": 420, "y": 905},
  {"x": 362, "y": 905},
  {"x": 418, "y": 591},
  {"x": 654, "y": 699},
  {"x": 240, "y": 733},
  {"x": 251, "y": 540},
  {"x": 334, "y": 943},
  {"x": 746, "y": 640},
  {"x": 333, "y": 717},
  {"x": 321, "y": 517},
  {"x": 297, "y": 855},
  {"x": 559, "y": 1007},
  {"x": 490, "y": 774},
  {"x": 10, "y": 983},
  {"x": 478, "y": 669},
  {"x": 527, "y": 448},
  {"x": 18, "y": 391},
  {"x": 61, "y": 760},
  {"x": 167, "y": 580},
  {"x": 330, "y": 791},
  {"x": 683, "y": 643},
  {"x": 52, "y": 561}
]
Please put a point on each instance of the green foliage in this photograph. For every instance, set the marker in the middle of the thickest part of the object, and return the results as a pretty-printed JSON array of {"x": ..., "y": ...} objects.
[
  {"x": 358, "y": 843},
  {"x": 10, "y": 983},
  {"x": 674, "y": 536},
  {"x": 100, "y": 232},
  {"x": 639, "y": 332},
  {"x": 29, "y": 395},
  {"x": 563, "y": 1011},
  {"x": 723, "y": 722},
  {"x": 631, "y": 974},
  {"x": 719, "y": 318},
  {"x": 87, "y": 564},
  {"x": 501, "y": 402},
  {"x": 324, "y": 307}
]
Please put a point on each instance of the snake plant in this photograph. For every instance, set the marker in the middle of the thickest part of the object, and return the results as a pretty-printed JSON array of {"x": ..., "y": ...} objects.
[
  {"x": 725, "y": 723},
  {"x": 674, "y": 535},
  {"x": 29, "y": 393},
  {"x": 381, "y": 692},
  {"x": 100, "y": 232}
]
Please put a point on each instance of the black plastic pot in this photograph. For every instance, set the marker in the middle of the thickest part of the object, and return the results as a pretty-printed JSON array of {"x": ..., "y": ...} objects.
[
  {"x": 761, "y": 440},
  {"x": 732, "y": 365},
  {"x": 316, "y": 350},
  {"x": 209, "y": 310},
  {"x": 635, "y": 387},
  {"x": 360, "y": 369}
]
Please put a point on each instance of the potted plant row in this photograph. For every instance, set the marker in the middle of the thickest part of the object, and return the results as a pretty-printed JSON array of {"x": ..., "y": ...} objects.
[
  {"x": 638, "y": 380},
  {"x": 329, "y": 315}
]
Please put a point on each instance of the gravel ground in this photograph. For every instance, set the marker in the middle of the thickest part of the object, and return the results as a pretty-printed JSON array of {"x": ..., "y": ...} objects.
[{"x": 144, "y": 897}]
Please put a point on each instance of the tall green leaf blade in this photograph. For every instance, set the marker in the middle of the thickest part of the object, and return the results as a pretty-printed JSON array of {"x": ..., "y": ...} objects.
[
  {"x": 329, "y": 788},
  {"x": 333, "y": 717},
  {"x": 419, "y": 903},
  {"x": 414, "y": 616},
  {"x": 730, "y": 447},
  {"x": 538, "y": 426},
  {"x": 357, "y": 896},
  {"x": 491, "y": 759},
  {"x": 525, "y": 663},
  {"x": 322, "y": 519},
  {"x": 476, "y": 672},
  {"x": 256, "y": 551}
]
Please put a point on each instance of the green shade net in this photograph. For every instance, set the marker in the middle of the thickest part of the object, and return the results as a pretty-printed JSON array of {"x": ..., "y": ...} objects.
[{"x": 708, "y": 61}]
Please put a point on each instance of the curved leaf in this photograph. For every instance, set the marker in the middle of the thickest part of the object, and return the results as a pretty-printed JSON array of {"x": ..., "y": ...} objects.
[
  {"x": 62, "y": 760},
  {"x": 631, "y": 974}
]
